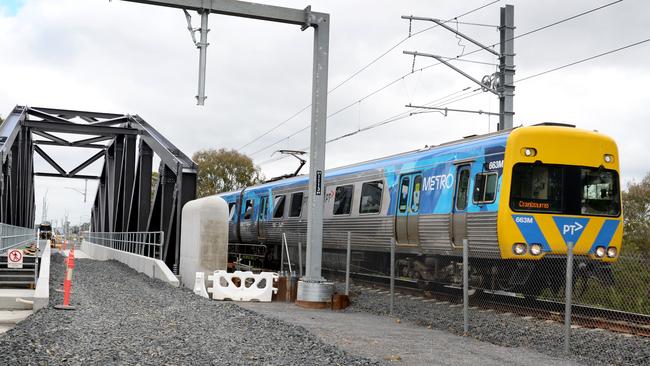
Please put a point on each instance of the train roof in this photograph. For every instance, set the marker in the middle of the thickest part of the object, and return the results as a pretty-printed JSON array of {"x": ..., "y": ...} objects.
[{"x": 433, "y": 150}]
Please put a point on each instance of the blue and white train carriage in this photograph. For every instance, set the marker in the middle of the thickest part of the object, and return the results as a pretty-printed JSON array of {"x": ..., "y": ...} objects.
[{"x": 518, "y": 196}]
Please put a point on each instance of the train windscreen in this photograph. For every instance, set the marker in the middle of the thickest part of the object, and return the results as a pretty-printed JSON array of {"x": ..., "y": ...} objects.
[{"x": 565, "y": 189}]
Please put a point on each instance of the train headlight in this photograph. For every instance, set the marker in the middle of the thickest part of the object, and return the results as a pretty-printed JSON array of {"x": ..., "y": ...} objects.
[
  {"x": 519, "y": 248},
  {"x": 529, "y": 151},
  {"x": 600, "y": 252},
  {"x": 611, "y": 252},
  {"x": 535, "y": 249},
  {"x": 609, "y": 158}
]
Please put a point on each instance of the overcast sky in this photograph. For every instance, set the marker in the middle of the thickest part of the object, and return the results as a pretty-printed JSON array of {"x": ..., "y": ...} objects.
[{"x": 124, "y": 57}]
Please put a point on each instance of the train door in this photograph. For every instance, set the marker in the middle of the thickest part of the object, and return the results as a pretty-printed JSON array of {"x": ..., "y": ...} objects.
[
  {"x": 261, "y": 218},
  {"x": 408, "y": 209},
  {"x": 459, "y": 209}
]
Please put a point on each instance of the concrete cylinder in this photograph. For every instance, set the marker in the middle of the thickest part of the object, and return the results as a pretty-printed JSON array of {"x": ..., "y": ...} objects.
[{"x": 204, "y": 238}]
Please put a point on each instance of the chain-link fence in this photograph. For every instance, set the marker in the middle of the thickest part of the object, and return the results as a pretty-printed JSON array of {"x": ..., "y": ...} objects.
[{"x": 519, "y": 303}]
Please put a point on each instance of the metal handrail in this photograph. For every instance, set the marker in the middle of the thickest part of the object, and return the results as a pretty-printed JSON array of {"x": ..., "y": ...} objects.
[
  {"x": 146, "y": 243},
  {"x": 13, "y": 236}
]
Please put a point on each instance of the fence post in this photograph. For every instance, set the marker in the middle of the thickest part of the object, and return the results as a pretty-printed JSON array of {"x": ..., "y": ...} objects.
[
  {"x": 347, "y": 266},
  {"x": 286, "y": 246},
  {"x": 568, "y": 295},
  {"x": 300, "y": 272},
  {"x": 465, "y": 286},
  {"x": 282, "y": 254},
  {"x": 392, "y": 274}
]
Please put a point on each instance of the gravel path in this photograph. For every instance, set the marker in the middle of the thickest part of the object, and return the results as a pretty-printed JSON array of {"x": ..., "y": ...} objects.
[
  {"x": 124, "y": 317},
  {"x": 588, "y": 346}
]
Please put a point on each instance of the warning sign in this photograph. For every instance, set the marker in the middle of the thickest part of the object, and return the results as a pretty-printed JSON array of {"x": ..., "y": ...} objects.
[{"x": 15, "y": 258}]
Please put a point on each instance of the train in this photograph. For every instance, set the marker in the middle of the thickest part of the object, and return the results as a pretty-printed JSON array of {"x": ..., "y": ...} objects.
[{"x": 520, "y": 197}]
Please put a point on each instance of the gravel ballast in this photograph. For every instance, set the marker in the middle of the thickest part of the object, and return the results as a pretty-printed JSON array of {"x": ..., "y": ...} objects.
[
  {"x": 124, "y": 317},
  {"x": 588, "y": 346}
]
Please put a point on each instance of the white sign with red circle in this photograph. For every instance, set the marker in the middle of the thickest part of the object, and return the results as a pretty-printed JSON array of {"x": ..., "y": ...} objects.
[{"x": 15, "y": 258}]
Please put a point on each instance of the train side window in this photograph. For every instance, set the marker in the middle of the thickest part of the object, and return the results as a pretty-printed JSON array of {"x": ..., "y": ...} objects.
[
  {"x": 371, "y": 193},
  {"x": 404, "y": 194},
  {"x": 415, "y": 200},
  {"x": 343, "y": 200},
  {"x": 231, "y": 210},
  {"x": 485, "y": 188},
  {"x": 278, "y": 206},
  {"x": 248, "y": 212},
  {"x": 296, "y": 205},
  {"x": 461, "y": 189},
  {"x": 263, "y": 203}
]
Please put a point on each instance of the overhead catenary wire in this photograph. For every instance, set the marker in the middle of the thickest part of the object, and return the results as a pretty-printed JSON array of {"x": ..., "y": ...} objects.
[
  {"x": 362, "y": 69},
  {"x": 477, "y": 90},
  {"x": 457, "y": 58},
  {"x": 394, "y": 118},
  {"x": 583, "y": 60}
]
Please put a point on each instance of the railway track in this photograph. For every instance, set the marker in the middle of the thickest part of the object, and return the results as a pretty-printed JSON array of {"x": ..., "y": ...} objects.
[{"x": 506, "y": 302}]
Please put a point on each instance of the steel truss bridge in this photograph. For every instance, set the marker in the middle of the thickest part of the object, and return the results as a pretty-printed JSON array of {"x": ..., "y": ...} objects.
[{"x": 125, "y": 200}]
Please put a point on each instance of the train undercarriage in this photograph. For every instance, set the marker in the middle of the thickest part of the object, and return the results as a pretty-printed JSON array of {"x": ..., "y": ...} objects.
[{"x": 528, "y": 278}]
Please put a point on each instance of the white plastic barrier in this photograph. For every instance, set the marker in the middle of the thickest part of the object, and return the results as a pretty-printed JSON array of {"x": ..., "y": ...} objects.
[
  {"x": 199, "y": 285},
  {"x": 260, "y": 288}
]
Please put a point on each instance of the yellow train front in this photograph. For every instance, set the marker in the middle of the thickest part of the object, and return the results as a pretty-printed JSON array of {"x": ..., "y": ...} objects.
[{"x": 560, "y": 188}]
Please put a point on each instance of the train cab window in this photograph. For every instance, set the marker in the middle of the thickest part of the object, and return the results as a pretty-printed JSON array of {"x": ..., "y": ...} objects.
[
  {"x": 343, "y": 200},
  {"x": 296, "y": 205},
  {"x": 404, "y": 194},
  {"x": 278, "y": 206},
  {"x": 536, "y": 187},
  {"x": 371, "y": 193},
  {"x": 599, "y": 192},
  {"x": 461, "y": 190},
  {"x": 485, "y": 188},
  {"x": 231, "y": 210},
  {"x": 248, "y": 212}
]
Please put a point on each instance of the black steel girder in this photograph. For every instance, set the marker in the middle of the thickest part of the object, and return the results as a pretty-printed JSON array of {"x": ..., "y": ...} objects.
[{"x": 123, "y": 202}]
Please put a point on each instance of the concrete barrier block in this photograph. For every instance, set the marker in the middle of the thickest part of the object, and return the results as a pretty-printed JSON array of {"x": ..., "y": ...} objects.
[
  {"x": 42, "y": 292},
  {"x": 204, "y": 238}
]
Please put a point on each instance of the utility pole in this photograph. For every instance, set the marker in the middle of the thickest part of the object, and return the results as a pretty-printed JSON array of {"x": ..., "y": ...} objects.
[
  {"x": 507, "y": 67},
  {"x": 313, "y": 288},
  {"x": 499, "y": 83}
]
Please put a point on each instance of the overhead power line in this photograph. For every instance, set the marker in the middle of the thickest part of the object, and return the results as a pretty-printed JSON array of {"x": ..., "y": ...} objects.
[
  {"x": 457, "y": 58},
  {"x": 474, "y": 92},
  {"x": 399, "y": 116},
  {"x": 362, "y": 69},
  {"x": 583, "y": 60},
  {"x": 564, "y": 20}
]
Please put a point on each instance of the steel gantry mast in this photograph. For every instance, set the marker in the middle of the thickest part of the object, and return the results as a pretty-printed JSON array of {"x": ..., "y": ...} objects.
[{"x": 313, "y": 288}]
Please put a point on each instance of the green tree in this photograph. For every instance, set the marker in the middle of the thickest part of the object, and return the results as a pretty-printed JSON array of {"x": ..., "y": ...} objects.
[
  {"x": 636, "y": 215},
  {"x": 224, "y": 170}
]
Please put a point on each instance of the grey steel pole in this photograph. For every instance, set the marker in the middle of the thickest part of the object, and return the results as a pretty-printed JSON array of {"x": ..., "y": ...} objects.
[
  {"x": 392, "y": 274},
  {"x": 507, "y": 67},
  {"x": 567, "y": 299},
  {"x": 203, "y": 52},
  {"x": 347, "y": 266},
  {"x": 465, "y": 286},
  {"x": 282, "y": 254},
  {"x": 300, "y": 271},
  {"x": 317, "y": 152}
]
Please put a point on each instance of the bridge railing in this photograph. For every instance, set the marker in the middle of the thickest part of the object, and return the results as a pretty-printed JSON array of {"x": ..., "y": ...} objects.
[
  {"x": 146, "y": 243},
  {"x": 13, "y": 236}
]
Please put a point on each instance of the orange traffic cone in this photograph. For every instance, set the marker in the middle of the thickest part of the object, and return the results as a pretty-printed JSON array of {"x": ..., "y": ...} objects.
[{"x": 67, "y": 284}]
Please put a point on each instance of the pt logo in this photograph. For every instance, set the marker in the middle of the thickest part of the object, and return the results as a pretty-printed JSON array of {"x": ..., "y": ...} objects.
[{"x": 571, "y": 229}]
